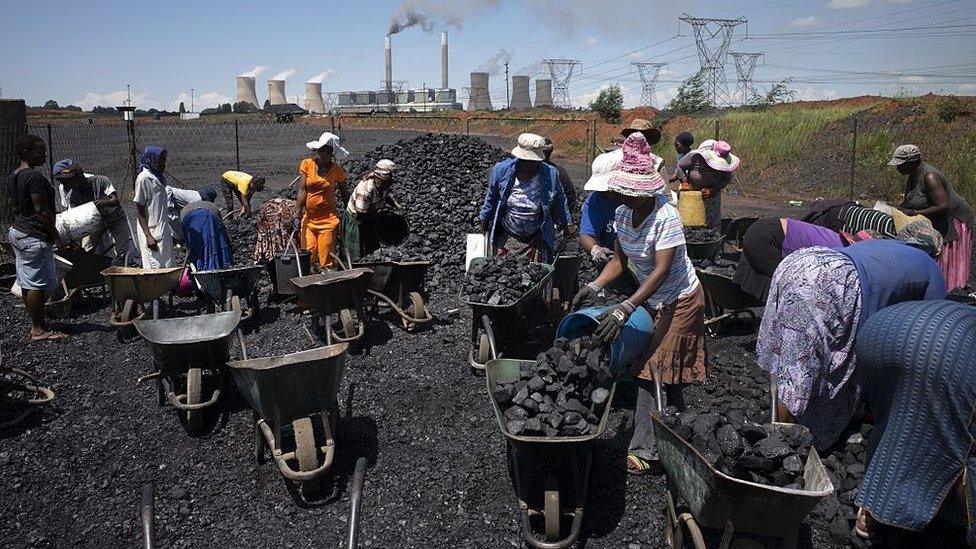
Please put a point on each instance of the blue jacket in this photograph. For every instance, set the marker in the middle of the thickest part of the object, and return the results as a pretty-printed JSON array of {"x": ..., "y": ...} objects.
[{"x": 500, "y": 183}]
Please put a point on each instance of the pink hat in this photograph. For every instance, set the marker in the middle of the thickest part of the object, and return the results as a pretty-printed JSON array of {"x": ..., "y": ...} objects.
[
  {"x": 718, "y": 155},
  {"x": 635, "y": 174}
]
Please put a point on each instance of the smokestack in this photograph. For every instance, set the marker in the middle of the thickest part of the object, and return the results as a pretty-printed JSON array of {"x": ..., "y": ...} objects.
[
  {"x": 480, "y": 99},
  {"x": 313, "y": 93},
  {"x": 246, "y": 91},
  {"x": 389, "y": 63},
  {"x": 276, "y": 92},
  {"x": 543, "y": 92},
  {"x": 444, "y": 84},
  {"x": 520, "y": 93}
]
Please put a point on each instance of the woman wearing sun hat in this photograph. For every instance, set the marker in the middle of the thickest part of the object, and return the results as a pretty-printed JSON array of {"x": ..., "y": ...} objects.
[
  {"x": 650, "y": 235},
  {"x": 709, "y": 169},
  {"x": 316, "y": 214}
]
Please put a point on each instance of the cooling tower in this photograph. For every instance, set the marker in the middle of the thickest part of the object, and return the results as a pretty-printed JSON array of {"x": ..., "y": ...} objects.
[
  {"x": 389, "y": 62},
  {"x": 480, "y": 99},
  {"x": 543, "y": 92},
  {"x": 246, "y": 91},
  {"x": 444, "y": 84},
  {"x": 276, "y": 92},
  {"x": 313, "y": 94},
  {"x": 520, "y": 93}
]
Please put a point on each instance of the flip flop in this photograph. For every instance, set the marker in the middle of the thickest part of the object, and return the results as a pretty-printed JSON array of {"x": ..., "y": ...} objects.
[
  {"x": 49, "y": 335},
  {"x": 634, "y": 465}
]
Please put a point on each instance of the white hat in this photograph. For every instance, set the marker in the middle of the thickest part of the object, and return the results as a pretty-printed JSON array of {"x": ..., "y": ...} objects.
[
  {"x": 330, "y": 139},
  {"x": 529, "y": 147},
  {"x": 602, "y": 170}
]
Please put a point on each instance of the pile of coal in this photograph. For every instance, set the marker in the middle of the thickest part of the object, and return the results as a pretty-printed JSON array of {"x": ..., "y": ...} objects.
[
  {"x": 563, "y": 394},
  {"x": 404, "y": 253},
  {"x": 845, "y": 467},
  {"x": 501, "y": 280},
  {"x": 243, "y": 234},
  {"x": 717, "y": 265},
  {"x": 701, "y": 235},
  {"x": 767, "y": 454}
]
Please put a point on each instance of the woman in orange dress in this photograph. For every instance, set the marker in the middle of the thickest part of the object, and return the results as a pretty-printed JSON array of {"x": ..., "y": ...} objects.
[{"x": 316, "y": 213}]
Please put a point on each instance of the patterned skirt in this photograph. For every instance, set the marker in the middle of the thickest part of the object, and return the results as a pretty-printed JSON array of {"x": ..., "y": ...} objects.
[
  {"x": 806, "y": 339},
  {"x": 274, "y": 228},
  {"x": 954, "y": 261}
]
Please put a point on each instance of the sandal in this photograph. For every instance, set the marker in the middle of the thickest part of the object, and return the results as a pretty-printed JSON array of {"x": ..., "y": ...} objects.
[
  {"x": 635, "y": 465},
  {"x": 49, "y": 335},
  {"x": 865, "y": 526}
]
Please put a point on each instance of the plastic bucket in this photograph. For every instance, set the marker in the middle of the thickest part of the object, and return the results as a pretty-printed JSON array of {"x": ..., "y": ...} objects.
[
  {"x": 691, "y": 208},
  {"x": 633, "y": 342},
  {"x": 78, "y": 222},
  {"x": 391, "y": 229},
  {"x": 286, "y": 268}
]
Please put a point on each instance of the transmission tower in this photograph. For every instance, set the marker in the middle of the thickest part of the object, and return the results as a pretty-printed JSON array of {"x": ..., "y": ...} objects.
[
  {"x": 648, "y": 74},
  {"x": 561, "y": 71},
  {"x": 331, "y": 100},
  {"x": 745, "y": 67},
  {"x": 713, "y": 38}
]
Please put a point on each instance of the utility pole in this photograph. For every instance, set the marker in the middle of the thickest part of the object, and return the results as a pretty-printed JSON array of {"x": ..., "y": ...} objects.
[
  {"x": 508, "y": 99},
  {"x": 561, "y": 72},
  {"x": 713, "y": 38},
  {"x": 191, "y": 99},
  {"x": 745, "y": 68},
  {"x": 424, "y": 87},
  {"x": 648, "y": 74}
]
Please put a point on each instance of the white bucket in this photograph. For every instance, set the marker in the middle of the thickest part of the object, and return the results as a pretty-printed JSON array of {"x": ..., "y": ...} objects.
[
  {"x": 77, "y": 223},
  {"x": 477, "y": 246}
]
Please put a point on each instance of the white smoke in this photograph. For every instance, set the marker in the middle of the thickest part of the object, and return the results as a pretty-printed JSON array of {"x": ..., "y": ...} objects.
[
  {"x": 320, "y": 77},
  {"x": 496, "y": 62},
  {"x": 424, "y": 13},
  {"x": 531, "y": 70},
  {"x": 283, "y": 75},
  {"x": 253, "y": 73}
]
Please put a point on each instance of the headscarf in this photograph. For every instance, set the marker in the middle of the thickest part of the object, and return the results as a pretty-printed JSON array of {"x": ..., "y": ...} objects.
[
  {"x": 762, "y": 252},
  {"x": 149, "y": 160},
  {"x": 686, "y": 139},
  {"x": 208, "y": 194}
]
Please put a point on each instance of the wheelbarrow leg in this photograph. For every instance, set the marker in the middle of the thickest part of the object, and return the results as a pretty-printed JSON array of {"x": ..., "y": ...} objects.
[{"x": 258, "y": 439}]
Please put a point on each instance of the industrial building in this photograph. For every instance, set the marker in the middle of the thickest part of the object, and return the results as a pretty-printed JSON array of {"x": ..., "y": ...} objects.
[{"x": 246, "y": 91}]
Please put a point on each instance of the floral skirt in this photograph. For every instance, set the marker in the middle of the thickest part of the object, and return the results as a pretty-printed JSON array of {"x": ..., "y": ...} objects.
[{"x": 274, "y": 228}]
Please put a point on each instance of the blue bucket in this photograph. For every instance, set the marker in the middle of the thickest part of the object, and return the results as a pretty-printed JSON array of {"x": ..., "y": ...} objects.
[{"x": 633, "y": 341}]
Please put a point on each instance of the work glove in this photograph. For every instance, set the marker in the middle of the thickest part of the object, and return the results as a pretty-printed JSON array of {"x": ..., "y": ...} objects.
[
  {"x": 586, "y": 297},
  {"x": 599, "y": 254},
  {"x": 612, "y": 322}
]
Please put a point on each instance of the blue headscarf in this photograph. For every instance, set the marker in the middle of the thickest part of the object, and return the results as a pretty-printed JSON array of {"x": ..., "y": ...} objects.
[{"x": 150, "y": 158}]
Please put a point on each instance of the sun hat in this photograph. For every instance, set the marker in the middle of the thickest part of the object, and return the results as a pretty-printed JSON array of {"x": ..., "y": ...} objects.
[
  {"x": 330, "y": 139},
  {"x": 384, "y": 167},
  {"x": 652, "y": 134},
  {"x": 905, "y": 153},
  {"x": 529, "y": 147},
  {"x": 635, "y": 174},
  {"x": 718, "y": 155},
  {"x": 602, "y": 170}
]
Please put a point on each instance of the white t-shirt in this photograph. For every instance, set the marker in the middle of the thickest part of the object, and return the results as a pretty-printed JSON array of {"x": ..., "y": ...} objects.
[
  {"x": 151, "y": 194},
  {"x": 660, "y": 230}
]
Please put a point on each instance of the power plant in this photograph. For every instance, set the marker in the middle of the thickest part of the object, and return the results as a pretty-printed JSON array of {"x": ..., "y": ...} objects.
[
  {"x": 479, "y": 98},
  {"x": 246, "y": 91},
  {"x": 313, "y": 96},
  {"x": 543, "y": 92},
  {"x": 276, "y": 92},
  {"x": 520, "y": 94},
  {"x": 444, "y": 83}
]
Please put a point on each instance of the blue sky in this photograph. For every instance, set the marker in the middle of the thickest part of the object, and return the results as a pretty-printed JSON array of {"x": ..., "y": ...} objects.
[{"x": 84, "y": 53}]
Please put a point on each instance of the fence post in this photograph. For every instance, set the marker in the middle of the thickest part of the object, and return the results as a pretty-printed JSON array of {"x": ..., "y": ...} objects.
[
  {"x": 850, "y": 194},
  {"x": 237, "y": 144},
  {"x": 50, "y": 153},
  {"x": 13, "y": 124},
  {"x": 130, "y": 134},
  {"x": 716, "y": 129},
  {"x": 332, "y": 123}
]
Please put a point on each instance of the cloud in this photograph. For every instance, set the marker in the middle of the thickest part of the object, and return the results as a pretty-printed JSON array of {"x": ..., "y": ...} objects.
[
  {"x": 604, "y": 21},
  {"x": 804, "y": 22},
  {"x": 114, "y": 99},
  {"x": 911, "y": 79},
  {"x": 320, "y": 77},
  {"x": 253, "y": 73},
  {"x": 531, "y": 69},
  {"x": 811, "y": 94},
  {"x": 201, "y": 101},
  {"x": 592, "y": 40},
  {"x": 967, "y": 87},
  {"x": 283, "y": 75},
  {"x": 848, "y": 4}
]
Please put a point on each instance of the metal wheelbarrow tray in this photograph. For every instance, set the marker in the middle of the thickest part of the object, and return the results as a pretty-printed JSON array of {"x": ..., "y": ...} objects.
[
  {"x": 132, "y": 287},
  {"x": 728, "y": 504},
  {"x": 575, "y": 453},
  {"x": 400, "y": 285},
  {"x": 511, "y": 318},
  {"x": 291, "y": 390},
  {"x": 724, "y": 299},
  {"x": 334, "y": 292},
  {"x": 187, "y": 346},
  {"x": 238, "y": 281}
]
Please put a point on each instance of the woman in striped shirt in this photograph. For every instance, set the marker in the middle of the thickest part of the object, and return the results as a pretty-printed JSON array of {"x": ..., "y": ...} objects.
[{"x": 650, "y": 234}]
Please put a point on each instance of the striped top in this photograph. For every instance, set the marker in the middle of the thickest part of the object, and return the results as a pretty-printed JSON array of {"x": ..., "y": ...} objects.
[
  {"x": 858, "y": 218},
  {"x": 660, "y": 230}
]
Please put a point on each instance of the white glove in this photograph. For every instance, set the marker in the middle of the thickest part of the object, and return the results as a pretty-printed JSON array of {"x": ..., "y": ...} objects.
[{"x": 600, "y": 254}]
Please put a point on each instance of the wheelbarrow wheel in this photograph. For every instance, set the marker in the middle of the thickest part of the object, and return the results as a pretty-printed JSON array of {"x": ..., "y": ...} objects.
[
  {"x": 416, "y": 309},
  {"x": 194, "y": 389},
  {"x": 306, "y": 452},
  {"x": 484, "y": 349},
  {"x": 350, "y": 326},
  {"x": 126, "y": 315},
  {"x": 552, "y": 512}
]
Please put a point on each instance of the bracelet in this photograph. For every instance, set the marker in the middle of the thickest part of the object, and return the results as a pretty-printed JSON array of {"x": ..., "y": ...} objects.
[{"x": 629, "y": 305}]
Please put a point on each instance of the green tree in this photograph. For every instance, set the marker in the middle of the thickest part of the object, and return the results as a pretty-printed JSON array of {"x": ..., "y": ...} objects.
[
  {"x": 267, "y": 104},
  {"x": 779, "y": 93},
  {"x": 692, "y": 96},
  {"x": 51, "y": 104},
  {"x": 609, "y": 103},
  {"x": 243, "y": 107}
]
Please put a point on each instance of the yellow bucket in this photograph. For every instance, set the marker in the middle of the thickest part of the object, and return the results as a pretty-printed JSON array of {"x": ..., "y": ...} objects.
[{"x": 691, "y": 208}]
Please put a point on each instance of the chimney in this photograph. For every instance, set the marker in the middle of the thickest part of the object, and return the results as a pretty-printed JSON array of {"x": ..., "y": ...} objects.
[
  {"x": 543, "y": 92},
  {"x": 313, "y": 94},
  {"x": 480, "y": 100},
  {"x": 276, "y": 92},
  {"x": 389, "y": 63},
  {"x": 520, "y": 93},
  {"x": 444, "y": 84},
  {"x": 246, "y": 91}
]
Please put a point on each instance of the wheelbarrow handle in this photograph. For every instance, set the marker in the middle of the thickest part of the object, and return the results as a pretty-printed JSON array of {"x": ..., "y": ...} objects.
[
  {"x": 486, "y": 322},
  {"x": 148, "y": 517},
  {"x": 356, "y": 501}
]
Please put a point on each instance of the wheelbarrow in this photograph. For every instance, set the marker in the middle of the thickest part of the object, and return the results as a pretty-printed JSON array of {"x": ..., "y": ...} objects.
[
  {"x": 565, "y": 460},
  {"x": 336, "y": 292},
  {"x": 724, "y": 299},
  {"x": 736, "y": 231},
  {"x": 565, "y": 279},
  {"x": 85, "y": 273},
  {"x": 290, "y": 394},
  {"x": 133, "y": 288},
  {"x": 518, "y": 319},
  {"x": 704, "y": 250},
  {"x": 183, "y": 350},
  {"x": 20, "y": 396},
  {"x": 400, "y": 286},
  {"x": 219, "y": 285},
  {"x": 726, "y": 504}
]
